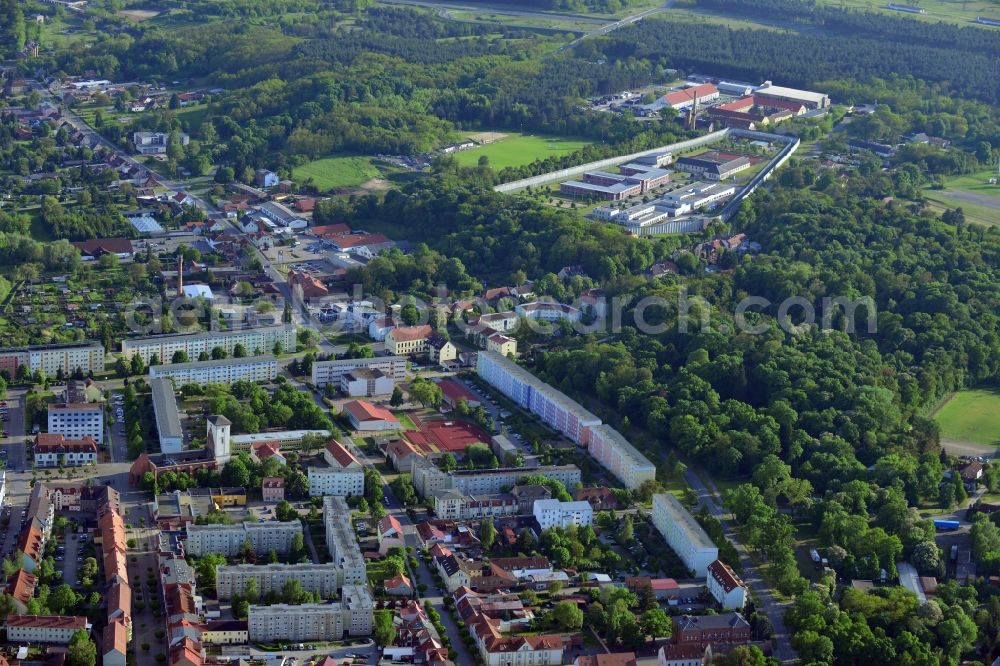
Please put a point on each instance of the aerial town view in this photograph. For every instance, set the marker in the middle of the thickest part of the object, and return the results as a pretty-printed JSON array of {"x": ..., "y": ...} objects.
[{"x": 520, "y": 333}]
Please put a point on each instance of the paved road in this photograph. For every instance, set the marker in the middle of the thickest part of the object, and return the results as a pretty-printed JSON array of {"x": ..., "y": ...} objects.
[{"x": 765, "y": 600}]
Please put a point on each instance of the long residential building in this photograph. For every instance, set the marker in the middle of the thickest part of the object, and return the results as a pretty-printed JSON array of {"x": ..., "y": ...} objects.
[
  {"x": 77, "y": 420},
  {"x": 87, "y": 357},
  {"x": 352, "y": 615},
  {"x": 44, "y": 628},
  {"x": 222, "y": 371},
  {"x": 551, "y": 406},
  {"x": 330, "y": 372},
  {"x": 617, "y": 455},
  {"x": 56, "y": 450},
  {"x": 255, "y": 341},
  {"x": 341, "y": 542},
  {"x": 323, "y": 579},
  {"x": 428, "y": 478},
  {"x": 229, "y": 539},
  {"x": 684, "y": 534},
  {"x": 168, "y": 420}
]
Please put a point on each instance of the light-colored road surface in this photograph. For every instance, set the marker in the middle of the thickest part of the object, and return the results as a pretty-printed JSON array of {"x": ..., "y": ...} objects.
[
  {"x": 775, "y": 611},
  {"x": 986, "y": 200}
]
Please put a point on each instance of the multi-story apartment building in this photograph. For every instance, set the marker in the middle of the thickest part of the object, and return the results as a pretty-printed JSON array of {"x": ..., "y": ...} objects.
[
  {"x": 255, "y": 341},
  {"x": 552, "y": 513},
  {"x": 497, "y": 649},
  {"x": 617, "y": 455},
  {"x": 87, "y": 357},
  {"x": 341, "y": 542},
  {"x": 57, "y": 629},
  {"x": 339, "y": 482},
  {"x": 428, "y": 478},
  {"x": 552, "y": 407},
  {"x": 323, "y": 579},
  {"x": 77, "y": 420},
  {"x": 725, "y": 586},
  {"x": 683, "y": 534},
  {"x": 262, "y": 368},
  {"x": 330, "y": 372},
  {"x": 453, "y": 505},
  {"x": 352, "y": 615},
  {"x": 404, "y": 340},
  {"x": 168, "y": 420},
  {"x": 55, "y": 450},
  {"x": 229, "y": 539}
]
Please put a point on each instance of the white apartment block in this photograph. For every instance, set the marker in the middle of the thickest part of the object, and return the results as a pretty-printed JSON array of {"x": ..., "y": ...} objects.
[
  {"x": 330, "y": 372},
  {"x": 44, "y": 628},
  {"x": 342, "y": 483},
  {"x": 262, "y": 368},
  {"x": 683, "y": 534},
  {"x": 552, "y": 407},
  {"x": 453, "y": 505},
  {"x": 615, "y": 454},
  {"x": 549, "y": 311},
  {"x": 77, "y": 420},
  {"x": 352, "y": 615},
  {"x": 256, "y": 341},
  {"x": 323, "y": 579},
  {"x": 228, "y": 540},
  {"x": 341, "y": 542},
  {"x": 427, "y": 478},
  {"x": 86, "y": 357},
  {"x": 552, "y": 513}
]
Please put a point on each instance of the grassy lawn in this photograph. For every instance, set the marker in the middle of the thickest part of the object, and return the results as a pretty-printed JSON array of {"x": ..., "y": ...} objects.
[
  {"x": 519, "y": 149},
  {"x": 333, "y": 172},
  {"x": 406, "y": 422},
  {"x": 954, "y": 11},
  {"x": 971, "y": 416}
]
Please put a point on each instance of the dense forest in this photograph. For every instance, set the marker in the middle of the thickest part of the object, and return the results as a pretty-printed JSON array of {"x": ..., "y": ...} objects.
[{"x": 807, "y": 57}]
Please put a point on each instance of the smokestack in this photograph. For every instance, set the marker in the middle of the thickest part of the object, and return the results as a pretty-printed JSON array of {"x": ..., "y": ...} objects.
[{"x": 180, "y": 276}]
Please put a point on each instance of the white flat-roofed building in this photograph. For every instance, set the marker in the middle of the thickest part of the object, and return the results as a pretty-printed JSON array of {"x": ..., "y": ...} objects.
[
  {"x": 229, "y": 539},
  {"x": 547, "y": 311},
  {"x": 232, "y": 579},
  {"x": 77, "y": 420},
  {"x": 698, "y": 194},
  {"x": 168, "y": 420},
  {"x": 813, "y": 100},
  {"x": 352, "y": 615},
  {"x": 365, "y": 382},
  {"x": 339, "y": 482},
  {"x": 58, "y": 629},
  {"x": 684, "y": 534},
  {"x": 341, "y": 542},
  {"x": 221, "y": 371},
  {"x": 256, "y": 341},
  {"x": 286, "y": 439},
  {"x": 552, "y": 407},
  {"x": 552, "y": 513},
  {"x": 617, "y": 455},
  {"x": 330, "y": 372}
]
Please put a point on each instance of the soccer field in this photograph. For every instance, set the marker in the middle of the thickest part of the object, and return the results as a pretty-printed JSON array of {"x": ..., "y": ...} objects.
[
  {"x": 971, "y": 416},
  {"x": 520, "y": 149},
  {"x": 333, "y": 172}
]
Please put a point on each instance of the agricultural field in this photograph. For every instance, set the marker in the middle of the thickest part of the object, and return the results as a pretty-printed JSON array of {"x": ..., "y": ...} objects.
[
  {"x": 979, "y": 200},
  {"x": 516, "y": 149},
  {"x": 332, "y": 173},
  {"x": 971, "y": 417}
]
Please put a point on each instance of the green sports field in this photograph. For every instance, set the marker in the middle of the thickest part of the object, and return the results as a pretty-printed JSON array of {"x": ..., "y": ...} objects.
[
  {"x": 519, "y": 149},
  {"x": 335, "y": 172},
  {"x": 971, "y": 416}
]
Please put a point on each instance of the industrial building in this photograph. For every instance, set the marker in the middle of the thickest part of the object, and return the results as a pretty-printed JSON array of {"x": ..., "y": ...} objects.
[
  {"x": 812, "y": 100},
  {"x": 330, "y": 372},
  {"x": 684, "y": 534},
  {"x": 262, "y": 368},
  {"x": 168, "y": 420},
  {"x": 255, "y": 341}
]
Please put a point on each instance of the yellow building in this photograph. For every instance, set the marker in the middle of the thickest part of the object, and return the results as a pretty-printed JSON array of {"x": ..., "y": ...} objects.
[
  {"x": 225, "y": 632},
  {"x": 502, "y": 345},
  {"x": 408, "y": 340}
]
